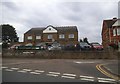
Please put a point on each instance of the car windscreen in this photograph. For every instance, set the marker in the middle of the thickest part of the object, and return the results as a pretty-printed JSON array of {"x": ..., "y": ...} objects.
[{"x": 95, "y": 44}]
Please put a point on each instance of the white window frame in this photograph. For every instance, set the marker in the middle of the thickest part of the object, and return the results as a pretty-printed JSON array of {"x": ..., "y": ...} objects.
[
  {"x": 50, "y": 36},
  {"x": 71, "y": 36},
  {"x": 29, "y": 37},
  {"x": 114, "y": 32},
  {"x": 118, "y": 31},
  {"x": 61, "y": 36},
  {"x": 38, "y": 37}
]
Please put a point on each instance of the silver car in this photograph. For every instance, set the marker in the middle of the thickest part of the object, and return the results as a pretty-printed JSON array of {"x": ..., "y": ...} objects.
[{"x": 54, "y": 46}]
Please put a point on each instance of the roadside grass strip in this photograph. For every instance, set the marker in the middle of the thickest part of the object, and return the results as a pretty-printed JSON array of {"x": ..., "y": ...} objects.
[
  {"x": 87, "y": 78},
  {"x": 55, "y": 74},
  {"x": 66, "y": 75},
  {"x": 106, "y": 80},
  {"x": 106, "y": 73},
  {"x": 8, "y": 70}
]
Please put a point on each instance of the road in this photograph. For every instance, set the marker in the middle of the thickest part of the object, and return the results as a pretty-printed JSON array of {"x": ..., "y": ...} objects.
[{"x": 54, "y": 70}]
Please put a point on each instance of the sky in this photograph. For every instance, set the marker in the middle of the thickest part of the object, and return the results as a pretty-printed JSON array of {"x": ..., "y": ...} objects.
[{"x": 87, "y": 15}]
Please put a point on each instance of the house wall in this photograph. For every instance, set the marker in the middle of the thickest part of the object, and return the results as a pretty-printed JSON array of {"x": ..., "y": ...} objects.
[
  {"x": 44, "y": 38},
  {"x": 68, "y": 40},
  {"x": 107, "y": 36},
  {"x": 115, "y": 39}
]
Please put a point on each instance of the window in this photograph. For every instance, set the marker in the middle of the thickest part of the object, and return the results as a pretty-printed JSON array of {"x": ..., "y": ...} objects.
[
  {"x": 114, "y": 32},
  {"x": 118, "y": 31},
  {"x": 29, "y": 37},
  {"x": 49, "y": 36},
  {"x": 61, "y": 36},
  {"x": 49, "y": 28},
  {"x": 71, "y": 35},
  {"x": 38, "y": 37}
]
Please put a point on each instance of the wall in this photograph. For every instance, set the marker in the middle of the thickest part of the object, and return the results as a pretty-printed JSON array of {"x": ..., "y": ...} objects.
[{"x": 63, "y": 54}]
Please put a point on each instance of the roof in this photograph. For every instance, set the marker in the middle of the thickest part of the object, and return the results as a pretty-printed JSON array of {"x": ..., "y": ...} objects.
[
  {"x": 117, "y": 23},
  {"x": 35, "y": 30},
  {"x": 109, "y": 23},
  {"x": 61, "y": 29}
]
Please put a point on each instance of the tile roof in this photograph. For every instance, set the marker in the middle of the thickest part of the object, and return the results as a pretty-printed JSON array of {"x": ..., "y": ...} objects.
[
  {"x": 110, "y": 22},
  {"x": 61, "y": 29}
]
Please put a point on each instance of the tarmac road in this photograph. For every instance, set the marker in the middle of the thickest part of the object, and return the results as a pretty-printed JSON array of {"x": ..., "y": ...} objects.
[{"x": 54, "y": 70}]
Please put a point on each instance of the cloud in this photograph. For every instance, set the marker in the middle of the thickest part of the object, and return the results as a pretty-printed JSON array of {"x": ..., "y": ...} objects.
[{"x": 87, "y": 16}]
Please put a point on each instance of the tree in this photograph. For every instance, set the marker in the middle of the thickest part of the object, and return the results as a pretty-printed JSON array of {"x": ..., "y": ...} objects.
[
  {"x": 85, "y": 40},
  {"x": 9, "y": 34},
  {"x": 81, "y": 40}
]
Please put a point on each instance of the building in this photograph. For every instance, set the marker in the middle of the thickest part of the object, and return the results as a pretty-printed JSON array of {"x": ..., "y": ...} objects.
[
  {"x": 111, "y": 32},
  {"x": 64, "y": 35}
]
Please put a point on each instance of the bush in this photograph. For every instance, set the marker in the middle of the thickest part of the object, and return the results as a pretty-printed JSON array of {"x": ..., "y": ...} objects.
[{"x": 114, "y": 46}]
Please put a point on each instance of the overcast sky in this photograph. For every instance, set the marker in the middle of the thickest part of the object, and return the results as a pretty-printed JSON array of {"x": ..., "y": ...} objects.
[{"x": 87, "y": 15}]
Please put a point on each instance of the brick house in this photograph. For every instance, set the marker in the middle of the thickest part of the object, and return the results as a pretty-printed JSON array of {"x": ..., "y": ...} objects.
[
  {"x": 110, "y": 32},
  {"x": 64, "y": 35}
]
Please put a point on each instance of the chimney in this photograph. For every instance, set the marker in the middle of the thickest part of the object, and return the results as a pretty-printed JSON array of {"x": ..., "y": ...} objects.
[{"x": 114, "y": 18}]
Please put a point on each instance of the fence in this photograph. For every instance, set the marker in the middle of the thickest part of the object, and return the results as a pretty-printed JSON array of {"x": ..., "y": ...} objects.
[{"x": 43, "y": 54}]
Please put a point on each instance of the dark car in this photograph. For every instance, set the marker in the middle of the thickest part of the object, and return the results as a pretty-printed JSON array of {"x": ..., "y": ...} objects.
[
  {"x": 96, "y": 46},
  {"x": 69, "y": 47},
  {"x": 84, "y": 46}
]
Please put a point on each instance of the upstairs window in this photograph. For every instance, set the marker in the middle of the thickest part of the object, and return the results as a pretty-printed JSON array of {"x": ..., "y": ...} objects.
[
  {"x": 50, "y": 36},
  {"x": 61, "y": 36},
  {"x": 114, "y": 32},
  {"x": 29, "y": 37},
  {"x": 71, "y": 35},
  {"x": 118, "y": 31},
  {"x": 38, "y": 37}
]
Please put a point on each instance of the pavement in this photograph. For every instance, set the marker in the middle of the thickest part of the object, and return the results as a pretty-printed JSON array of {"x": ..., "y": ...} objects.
[{"x": 112, "y": 69}]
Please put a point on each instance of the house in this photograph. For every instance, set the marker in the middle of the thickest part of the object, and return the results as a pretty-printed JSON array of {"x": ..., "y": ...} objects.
[
  {"x": 110, "y": 32},
  {"x": 63, "y": 34}
]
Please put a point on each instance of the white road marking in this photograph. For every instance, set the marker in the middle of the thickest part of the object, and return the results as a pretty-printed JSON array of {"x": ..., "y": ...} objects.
[
  {"x": 106, "y": 79},
  {"x": 52, "y": 75},
  {"x": 82, "y": 62},
  {"x": 86, "y": 76},
  {"x": 15, "y": 68},
  {"x": 87, "y": 79},
  {"x": 8, "y": 70},
  {"x": 39, "y": 71},
  {"x": 22, "y": 71},
  {"x": 54, "y": 72},
  {"x": 4, "y": 67},
  {"x": 68, "y": 77},
  {"x": 69, "y": 74},
  {"x": 15, "y": 63},
  {"x": 34, "y": 73},
  {"x": 26, "y": 69}
]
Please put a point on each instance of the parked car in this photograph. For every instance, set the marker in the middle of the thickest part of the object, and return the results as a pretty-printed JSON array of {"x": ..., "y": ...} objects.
[
  {"x": 54, "y": 46},
  {"x": 42, "y": 45},
  {"x": 96, "y": 46},
  {"x": 84, "y": 46},
  {"x": 69, "y": 47}
]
